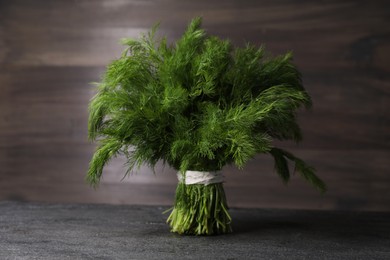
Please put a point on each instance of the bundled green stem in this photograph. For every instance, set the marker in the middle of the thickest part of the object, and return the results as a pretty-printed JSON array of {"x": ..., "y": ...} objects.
[{"x": 200, "y": 210}]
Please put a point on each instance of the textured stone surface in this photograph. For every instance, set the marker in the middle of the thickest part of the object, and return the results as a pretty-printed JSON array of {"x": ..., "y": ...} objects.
[{"x": 81, "y": 231}]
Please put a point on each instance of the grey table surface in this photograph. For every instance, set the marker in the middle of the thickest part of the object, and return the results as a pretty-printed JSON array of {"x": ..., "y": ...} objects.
[{"x": 90, "y": 231}]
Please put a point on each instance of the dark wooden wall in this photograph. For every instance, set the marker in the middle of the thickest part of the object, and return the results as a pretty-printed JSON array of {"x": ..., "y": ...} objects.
[{"x": 51, "y": 50}]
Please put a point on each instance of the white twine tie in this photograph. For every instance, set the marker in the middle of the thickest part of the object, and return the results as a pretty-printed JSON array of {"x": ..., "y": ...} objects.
[{"x": 197, "y": 177}]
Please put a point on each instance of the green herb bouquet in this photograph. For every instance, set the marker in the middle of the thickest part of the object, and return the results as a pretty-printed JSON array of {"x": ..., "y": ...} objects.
[{"x": 197, "y": 105}]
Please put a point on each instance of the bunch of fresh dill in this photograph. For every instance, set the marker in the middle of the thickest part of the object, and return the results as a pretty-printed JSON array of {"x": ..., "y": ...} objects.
[{"x": 199, "y": 105}]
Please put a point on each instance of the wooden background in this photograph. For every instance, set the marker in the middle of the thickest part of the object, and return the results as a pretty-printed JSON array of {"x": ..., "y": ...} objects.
[{"x": 51, "y": 50}]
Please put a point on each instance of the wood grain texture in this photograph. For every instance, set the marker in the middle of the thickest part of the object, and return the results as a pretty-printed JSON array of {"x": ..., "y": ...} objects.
[{"x": 51, "y": 50}]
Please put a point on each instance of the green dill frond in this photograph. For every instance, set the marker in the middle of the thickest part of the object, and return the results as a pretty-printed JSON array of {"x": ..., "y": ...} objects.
[
  {"x": 306, "y": 171},
  {"x": 108, "y": 148}
]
